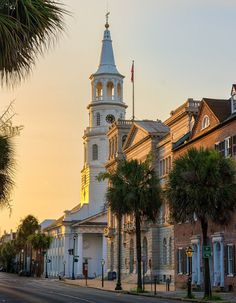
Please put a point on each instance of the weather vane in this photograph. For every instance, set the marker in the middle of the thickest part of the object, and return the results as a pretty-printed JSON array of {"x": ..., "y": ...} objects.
[{"x": 107, "y": 14}]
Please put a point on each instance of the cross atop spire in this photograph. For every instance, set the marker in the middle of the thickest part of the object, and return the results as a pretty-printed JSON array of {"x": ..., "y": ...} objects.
[{"x": 107, "y": 24}]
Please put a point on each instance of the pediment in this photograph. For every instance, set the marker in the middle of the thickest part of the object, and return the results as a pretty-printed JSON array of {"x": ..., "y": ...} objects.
[
  {"x": 205, "y": 121},
  {"x": 135, "y": 135}
]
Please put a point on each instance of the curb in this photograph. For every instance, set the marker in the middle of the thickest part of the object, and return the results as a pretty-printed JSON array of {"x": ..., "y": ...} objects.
[{"x": 148, "y": 295}]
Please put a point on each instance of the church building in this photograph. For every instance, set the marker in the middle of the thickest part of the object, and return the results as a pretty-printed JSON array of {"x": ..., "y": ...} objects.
[{"x": 78, "y": 237}]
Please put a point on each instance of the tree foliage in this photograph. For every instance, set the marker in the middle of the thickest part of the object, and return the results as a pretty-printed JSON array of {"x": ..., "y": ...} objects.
[
  {"x": 27, "y": 28},
  {"x": 7, "y": 255},
  {"x": 202, "y": 185},
  {"x": 134, "y": 189},
  {"x": 202, "y": 182},
  {"x": 40, "y": 241},
  {"x": 7, "y": 166},
  {"x": 28, "y": 226}
]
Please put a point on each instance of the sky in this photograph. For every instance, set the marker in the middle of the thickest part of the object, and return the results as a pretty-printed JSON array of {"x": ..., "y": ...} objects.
[{"x": 182, "y": 49}]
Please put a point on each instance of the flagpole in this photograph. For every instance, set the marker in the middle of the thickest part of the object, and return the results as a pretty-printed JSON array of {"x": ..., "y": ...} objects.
[{"x": 133, "y": 90}]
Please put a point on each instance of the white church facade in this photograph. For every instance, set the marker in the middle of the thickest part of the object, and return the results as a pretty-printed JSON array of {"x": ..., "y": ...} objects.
[{"x": 81, "y": 229}]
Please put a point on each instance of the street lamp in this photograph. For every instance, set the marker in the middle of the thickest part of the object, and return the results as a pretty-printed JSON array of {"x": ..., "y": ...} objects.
[
  {"x": 189, "y": 254},
  {"x": 102, "y": 263}
]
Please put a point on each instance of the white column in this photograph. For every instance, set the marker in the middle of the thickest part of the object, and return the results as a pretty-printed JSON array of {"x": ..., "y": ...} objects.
[
  {"x": 222, "y": 264},
  {"x": 66, "y": 255},
  {"x": 104, "y": 252},
  {"x": 80, "y": 254}
]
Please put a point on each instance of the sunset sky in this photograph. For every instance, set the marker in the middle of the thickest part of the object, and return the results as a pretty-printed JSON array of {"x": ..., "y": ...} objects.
[{"x": 181, "y": 48}]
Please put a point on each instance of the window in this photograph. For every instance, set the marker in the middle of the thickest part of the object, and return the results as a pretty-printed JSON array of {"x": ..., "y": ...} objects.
[
  {"x": 99, "y": 91},
  {"x": 180, "y": 262},
  {"x": 85, "y": 153},
  {"x": 228, "y": 147},
  {"x": 95, "y": 152},
  {"x": 205, "y": 122},
  {"x": 234, "y": 145},
  {"x": 145, "y": 253},
  {"x": 170, "y": 251},
  {"x": 164, "y": 166},
  {"x": 119, "y": 90},
  {"x": 230, "y": 254},
  {"x": 98, "y": 119},
  {"x": 123, "y": 139},
  {"x": 164, "y": 251},
  {"x": 110, "y": 90}
]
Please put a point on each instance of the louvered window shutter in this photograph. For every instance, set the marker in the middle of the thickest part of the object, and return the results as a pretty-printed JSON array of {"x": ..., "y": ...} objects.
[{"x": 226, "y": 259}]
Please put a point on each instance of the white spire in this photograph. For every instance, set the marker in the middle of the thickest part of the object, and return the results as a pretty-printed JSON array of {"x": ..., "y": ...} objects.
[{"x": 107, "y": 61}]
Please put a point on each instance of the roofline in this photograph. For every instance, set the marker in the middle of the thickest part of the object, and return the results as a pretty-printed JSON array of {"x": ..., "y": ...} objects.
[{"x": 226, "y": 121}]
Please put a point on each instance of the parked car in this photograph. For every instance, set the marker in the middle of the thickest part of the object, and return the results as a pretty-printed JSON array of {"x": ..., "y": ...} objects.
[
  {"x": 3, "y": 268},
  {"x": 24, "y": 273}
]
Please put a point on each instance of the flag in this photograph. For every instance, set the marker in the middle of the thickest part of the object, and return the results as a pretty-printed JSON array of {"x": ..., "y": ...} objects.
[{"x": 132, "y": 72}]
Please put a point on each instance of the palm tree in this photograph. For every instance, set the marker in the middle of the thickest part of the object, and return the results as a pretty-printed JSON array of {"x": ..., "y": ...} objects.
[
  {"x": 136, "y": 191},
  {"x": 28, "y": 226},
  {"x": 202, "y": 184},
  {"x": 116, "y": 202},
  {"x": 41, "y": 243},
  {"x": 27, "y": 28},
  {"x": 6, "y": 170}
]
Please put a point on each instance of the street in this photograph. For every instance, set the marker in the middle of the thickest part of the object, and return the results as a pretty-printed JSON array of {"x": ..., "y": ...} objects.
[{"x": 14, "y": 289}]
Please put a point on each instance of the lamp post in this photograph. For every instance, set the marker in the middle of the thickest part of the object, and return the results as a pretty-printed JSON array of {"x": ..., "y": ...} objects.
[
  {"x": 64, "y": 268},
  {"x": 22, "y": 257},
  {"x": 189, "y": 254},
  {"x": 102, "y": 263},
  {"x": 46, "y": 263},
  {"x": 73, "y": 255},
  {"x": 118, "y": 283}
]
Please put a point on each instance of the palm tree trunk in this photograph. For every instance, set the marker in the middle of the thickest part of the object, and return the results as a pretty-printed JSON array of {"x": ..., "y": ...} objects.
[
  {"x": 207, "y": 279},
  {"x": 118, "y": 284},
  {"x": 138, "y": 251}
]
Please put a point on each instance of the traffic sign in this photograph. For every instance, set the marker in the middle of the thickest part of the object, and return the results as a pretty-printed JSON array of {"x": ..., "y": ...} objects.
[{"x": 207, "y": 253}]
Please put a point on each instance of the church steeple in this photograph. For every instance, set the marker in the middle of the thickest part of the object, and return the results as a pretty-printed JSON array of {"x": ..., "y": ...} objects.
[
  {"x": 106, "y": 106},
  {"x": 107, "y": 61}
]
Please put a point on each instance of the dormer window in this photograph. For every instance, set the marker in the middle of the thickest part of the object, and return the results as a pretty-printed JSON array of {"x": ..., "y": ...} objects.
[{"x": 205, "y": 122}]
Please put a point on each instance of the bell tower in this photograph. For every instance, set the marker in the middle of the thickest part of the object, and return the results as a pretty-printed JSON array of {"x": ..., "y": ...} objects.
[{"x": 106, "y": 106}]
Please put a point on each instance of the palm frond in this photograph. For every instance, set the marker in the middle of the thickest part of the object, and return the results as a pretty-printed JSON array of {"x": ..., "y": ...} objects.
[{"x": 27, "y": 29}]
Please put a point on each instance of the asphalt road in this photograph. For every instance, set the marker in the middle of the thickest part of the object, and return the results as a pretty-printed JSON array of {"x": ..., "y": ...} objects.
[{"x": 14, "y": 289}]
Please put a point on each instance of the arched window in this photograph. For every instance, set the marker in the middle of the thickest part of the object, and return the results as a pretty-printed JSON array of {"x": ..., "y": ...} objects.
[
  {"x": 131, "y": 256},
  {"x": 145, "y": 253},
  {"x": 164, "y": 249},
  {"x": 110, "y": 89},
  {"x": 99, "y": 92},
  {"x": 119, "y": 92},
  {"x": 98, "y": 119},
  {"x": 95, "y": 152},
  {"x": 205, "y": 122},
  {"x": 170, "y": 251}
]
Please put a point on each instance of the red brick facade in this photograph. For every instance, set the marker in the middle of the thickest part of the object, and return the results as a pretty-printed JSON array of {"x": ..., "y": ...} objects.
[{"x": 219, "y": 134}]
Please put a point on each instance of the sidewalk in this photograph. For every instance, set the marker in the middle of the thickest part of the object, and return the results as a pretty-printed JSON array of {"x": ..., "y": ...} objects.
[{"x": 161, "y": 290}]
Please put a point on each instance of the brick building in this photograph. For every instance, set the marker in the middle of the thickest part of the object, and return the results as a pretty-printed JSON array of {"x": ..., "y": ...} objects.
[{"x": 215, "y": 127}]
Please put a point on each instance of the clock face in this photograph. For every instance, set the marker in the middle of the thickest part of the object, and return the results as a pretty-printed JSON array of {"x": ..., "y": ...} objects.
[{"x": 110, "y": 118}]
